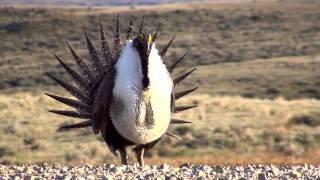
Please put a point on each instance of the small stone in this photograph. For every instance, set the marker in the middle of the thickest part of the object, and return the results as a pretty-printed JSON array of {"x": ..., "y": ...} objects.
[
  {"x": 251, "y": 168},
  {"x": 56, "y": 166},
  {"x": 262, "y": 176},
  {"x": 27, "y": 170},
  {"x": 81, "y": 170},
  {"x": 164, "y": 166},
  {"x": 108, "y": 166},
  {"x": 185, "y": 165},
  {"x": 145, "y": 167},
  {"x": 267, "y": 168},
  {"x": 176, "y": 169},
  {"x": 167, "y": 177},
  {"x": 201, "y": 178},
  {"x": 294, "y": 174},
  {"x": 125, "y": 167},
  {"x": 219, "y": 169},
  {"x": 2, "y": 171},
  {"x": 160, "y": 177},
  {"x": 64, "y": 170},
  {"x": 201, "y": 174},
  {"x": 68, "y": 176},
  {"x": 38, "y": 169},
  {"x": 19, "y": 169},
  {"x": 30, "y": 177},
  {"x": 241, "y": 169},
  {"x": 311, "y": 167},
  {"x": 184, "y": 168},
  {"x": 88, "y": 165},
  {"x": 108, "y": 177},
  {"x": 116, "y": 170},
  {"x": 90, "y": 177},
  {"x": 275, "y": 170},
  {"x": 237, "y": 168}
]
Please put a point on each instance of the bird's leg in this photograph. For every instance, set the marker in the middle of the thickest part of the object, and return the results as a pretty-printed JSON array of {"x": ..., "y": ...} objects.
[
  {"x": 140, "y": 154},
  {"x": 123, "y": 156}
]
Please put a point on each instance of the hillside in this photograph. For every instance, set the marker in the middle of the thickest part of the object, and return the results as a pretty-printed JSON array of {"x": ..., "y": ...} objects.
[
  {"x": 90, "y": 3},
  {"x": 212, "y": 34}
]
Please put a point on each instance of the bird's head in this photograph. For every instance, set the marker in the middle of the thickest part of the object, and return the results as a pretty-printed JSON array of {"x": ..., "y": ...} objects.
[{"x": 143, "y": 44}]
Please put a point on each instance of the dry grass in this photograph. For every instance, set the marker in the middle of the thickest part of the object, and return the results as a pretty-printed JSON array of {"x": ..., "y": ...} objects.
[
  {"x": 231, "y": 158},
  {"x": 289, "y": 77},
  {"x": 29, "y": 132}
]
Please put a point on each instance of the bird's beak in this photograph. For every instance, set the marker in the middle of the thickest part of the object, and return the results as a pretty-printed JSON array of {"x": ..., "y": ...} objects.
[{"x": 149, "y": 42}]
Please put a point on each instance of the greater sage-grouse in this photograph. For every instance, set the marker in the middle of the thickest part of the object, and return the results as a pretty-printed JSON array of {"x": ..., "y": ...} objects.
[{"x": 127, "y": 94}]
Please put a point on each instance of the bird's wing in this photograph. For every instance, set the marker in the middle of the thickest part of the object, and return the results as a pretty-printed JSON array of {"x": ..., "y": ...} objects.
[
  {"x": 92, "y": 85},
  {"x": 102, "y": 100}
]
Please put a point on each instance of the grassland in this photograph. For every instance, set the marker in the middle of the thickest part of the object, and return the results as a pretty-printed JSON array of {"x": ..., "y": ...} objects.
[
  {"x": 222, "y": 126},
  {"x": 258, "y": 72},
  {"x": 212, "y": 33}
]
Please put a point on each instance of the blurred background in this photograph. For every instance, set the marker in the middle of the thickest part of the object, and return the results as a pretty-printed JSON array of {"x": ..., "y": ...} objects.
[{"x": 258, "y": 71}]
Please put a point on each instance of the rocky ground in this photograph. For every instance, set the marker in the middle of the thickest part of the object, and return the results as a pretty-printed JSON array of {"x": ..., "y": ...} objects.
[{"x": 164, "y": 171}]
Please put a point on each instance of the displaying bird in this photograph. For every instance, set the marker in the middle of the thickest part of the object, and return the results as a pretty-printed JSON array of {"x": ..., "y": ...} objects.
[{"x": 126, "y": 94}]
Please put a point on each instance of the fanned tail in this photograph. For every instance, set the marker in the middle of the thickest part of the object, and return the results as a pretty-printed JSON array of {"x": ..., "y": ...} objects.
[
  {"x": 82, "y": 124},
  {"x": 105, "y": 48},
  {"x": 87, "y": 79},
  {"x": 117, "y": 39},
  {"x": 176, "y": 95}
]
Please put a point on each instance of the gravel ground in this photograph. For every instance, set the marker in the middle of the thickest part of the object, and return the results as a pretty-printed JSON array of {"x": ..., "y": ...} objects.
[{"x": 164, "y": 171}]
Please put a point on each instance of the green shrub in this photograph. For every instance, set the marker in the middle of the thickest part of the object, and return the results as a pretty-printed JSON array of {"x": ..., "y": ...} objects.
[
  {"x": 312, "y": 120},
  {"x": 6, "y": 151}
]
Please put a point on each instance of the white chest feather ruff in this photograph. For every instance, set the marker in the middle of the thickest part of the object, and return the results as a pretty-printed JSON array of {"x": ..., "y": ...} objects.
[{"x": 128, "y": 97}]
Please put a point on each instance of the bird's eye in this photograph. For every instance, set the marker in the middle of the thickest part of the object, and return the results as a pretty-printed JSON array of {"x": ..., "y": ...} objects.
[{"x": 140, "y": 37}]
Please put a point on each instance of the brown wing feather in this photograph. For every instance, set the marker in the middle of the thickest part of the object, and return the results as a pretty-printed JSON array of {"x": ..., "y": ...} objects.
[{"x": 102, "y": 99}]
